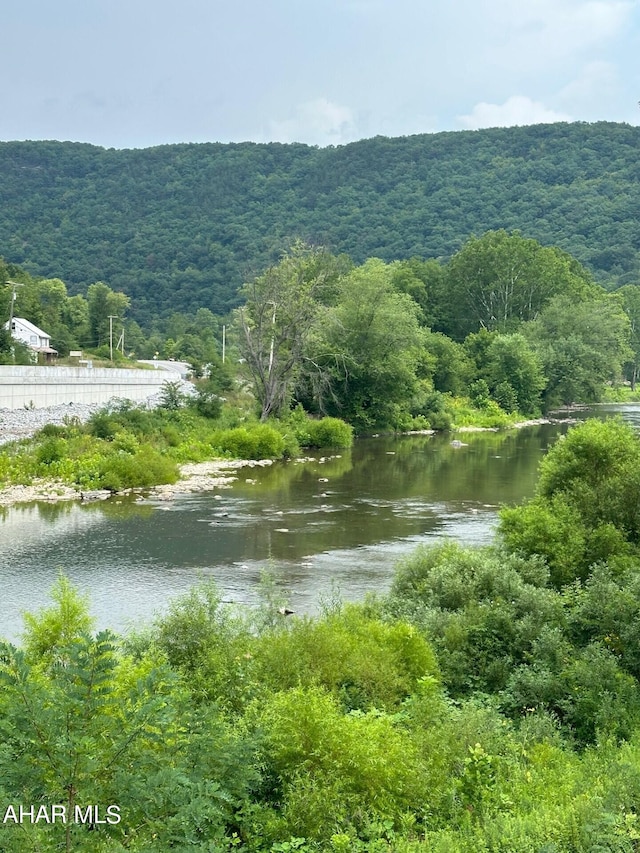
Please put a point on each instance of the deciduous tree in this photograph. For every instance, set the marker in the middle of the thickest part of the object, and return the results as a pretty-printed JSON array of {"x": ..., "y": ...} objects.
[
  {"x": 582, "y": 346},
  {"x": 372, "y": 343},
  {"x": 500, "y": 280},
  {"x": 282, "y": 308}
]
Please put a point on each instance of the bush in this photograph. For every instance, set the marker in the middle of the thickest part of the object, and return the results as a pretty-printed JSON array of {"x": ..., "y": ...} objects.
[
  {"x": 585, "y": 689},
  {"x": 145, "y": 468},
  {"x": 102, "y": 425},
  {"x": 329, "y": 432},
  {"x": 326, "y": 432},
  {"x": 505, "y": 397},
  {"x": 54, "y": 431},
  {"x": 52, "y": 450},
  {"x": 256, "y": 442},
  {"x": 327, "y": 772},
  {"x": 481, "y": 610},
  {"x": 587, "y": 503},
  {"x": 434, "y": 407},
  {"x": 171, "y": 435},
  {"x": 172, "y": 396},
  {"x": 363, "y": 662},
  {"x": 207, "y": 401},
  {"x": 208, "y": 644}
]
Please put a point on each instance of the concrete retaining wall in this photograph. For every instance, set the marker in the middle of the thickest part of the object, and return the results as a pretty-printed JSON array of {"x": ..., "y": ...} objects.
[{"x": 38, "y": 387}]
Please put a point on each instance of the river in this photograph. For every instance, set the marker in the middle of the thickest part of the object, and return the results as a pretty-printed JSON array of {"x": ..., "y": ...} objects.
[{"x": 331, "y": 526}]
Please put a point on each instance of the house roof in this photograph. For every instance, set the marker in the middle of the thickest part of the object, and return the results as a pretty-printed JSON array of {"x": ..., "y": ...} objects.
[{"x": 30, "y": 327}]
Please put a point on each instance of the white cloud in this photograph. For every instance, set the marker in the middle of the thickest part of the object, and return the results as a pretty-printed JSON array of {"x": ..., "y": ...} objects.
[
  {"x": 516, "y": 110},
  {"x": 318, "y": 122}
]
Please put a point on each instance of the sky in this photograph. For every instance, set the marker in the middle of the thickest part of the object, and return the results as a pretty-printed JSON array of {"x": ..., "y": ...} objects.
[{"x": 139, "y": 73}]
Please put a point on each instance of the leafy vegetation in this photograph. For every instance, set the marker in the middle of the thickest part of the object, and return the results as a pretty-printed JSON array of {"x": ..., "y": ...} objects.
[
  {"x": 351, "y": 342},
  {"x": 486, "y": 703},
  {"x": 491, "y": 700},
  {"x": 126, "y": 446},
  {"x": 507, "y": 329},
  {"x": 587, "y": 502}
]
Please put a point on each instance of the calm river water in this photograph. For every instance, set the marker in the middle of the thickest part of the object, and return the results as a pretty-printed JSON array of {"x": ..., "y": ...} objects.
[{"x": 339, "y": 524}]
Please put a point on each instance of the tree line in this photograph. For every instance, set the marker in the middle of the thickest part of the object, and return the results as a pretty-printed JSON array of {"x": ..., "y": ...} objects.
[
  {"x": 187, "y": 225},
  {"x": 508, "y": 324}
]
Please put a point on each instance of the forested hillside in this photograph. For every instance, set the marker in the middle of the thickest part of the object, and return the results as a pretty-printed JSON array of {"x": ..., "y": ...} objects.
[{"x": 179, "y": 227}]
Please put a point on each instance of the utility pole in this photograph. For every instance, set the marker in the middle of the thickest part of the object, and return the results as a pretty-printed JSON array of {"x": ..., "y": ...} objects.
[
  {"x": 224, "y": 342},
  {"x": 13, "y": 284},
  {"x": 112, "y": 317}
]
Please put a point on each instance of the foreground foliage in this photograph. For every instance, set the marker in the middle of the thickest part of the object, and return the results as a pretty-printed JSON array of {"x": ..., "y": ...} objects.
[{"x": 487, "y": 703}]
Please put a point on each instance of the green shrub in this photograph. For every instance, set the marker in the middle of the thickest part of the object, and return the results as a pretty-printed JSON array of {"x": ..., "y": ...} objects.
[
  {"x": 434, "y": 406},
  {"x": 171, "y": 396},
  {"x": 584, "y": 688},
  {"x": 298, "y": 422},
  {"x": 210, "y": 645},
  {"x": 126, "y": 442},
  {"x": 440, "y": 421},
  {"x": 479, "y": 393},
  {"x": 136, "y": 419},
  {"x": 256, "y": 442},
  {"x": 52, "y": 450},
  {"x": 489, "y": 415},
  {"x": 53, "y": 431},
  {"x": 171, "y": 435},
  {"x": 102, "y": 425},
  {"x": 363, "y": 662},
  {"x": 325, "y": 432},
  {"x": 482, "y": 611},
  {"x": 327, "y": 772},
  {"x": 329, "y": 432},
  {"x": 505, "y": 397},
  {"x": 587, "y": 503},
  {"x": 207, "y": 401},
  {"x": 121, "y": 470}
]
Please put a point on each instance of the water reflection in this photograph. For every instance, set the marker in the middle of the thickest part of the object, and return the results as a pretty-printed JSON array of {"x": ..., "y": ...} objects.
[{"x": 335, "y": 521}]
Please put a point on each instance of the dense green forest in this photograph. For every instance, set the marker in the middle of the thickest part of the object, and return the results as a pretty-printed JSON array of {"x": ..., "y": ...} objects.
[
  {"x": 489, "y": 703},
  {"x": 182, "y": 227}
]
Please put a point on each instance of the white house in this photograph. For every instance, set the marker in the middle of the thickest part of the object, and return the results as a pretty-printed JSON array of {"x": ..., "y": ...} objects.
[{"x": 37, "y": 340}]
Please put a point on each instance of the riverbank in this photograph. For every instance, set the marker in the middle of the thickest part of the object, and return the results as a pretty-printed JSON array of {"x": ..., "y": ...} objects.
[
  {"x": 517, "y": 425},
  {"x": 194, "y": 477}
]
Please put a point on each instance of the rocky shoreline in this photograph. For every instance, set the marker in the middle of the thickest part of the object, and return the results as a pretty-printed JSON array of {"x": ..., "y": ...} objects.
[
  {"x": 194, "y": 477},
  {"x": 517, "y": 425}
]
